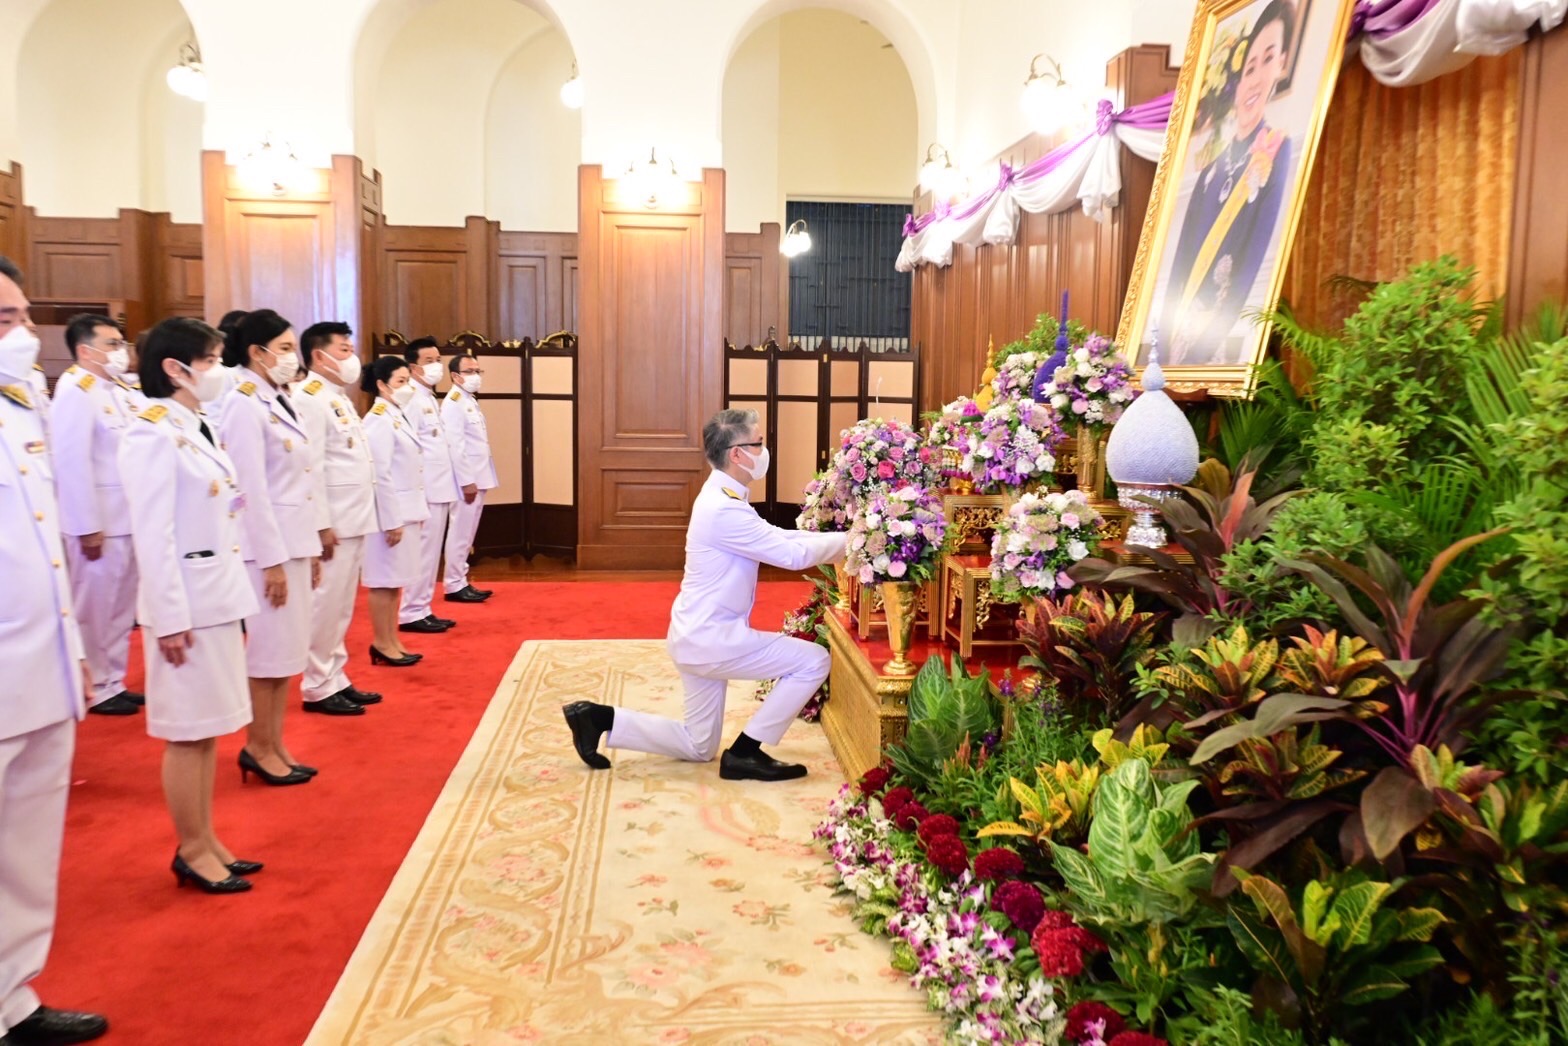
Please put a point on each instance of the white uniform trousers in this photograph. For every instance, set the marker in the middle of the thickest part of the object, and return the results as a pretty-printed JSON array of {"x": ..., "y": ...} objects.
[
  {"x": 460, "y": 541},
  {"x": 35, "y": 778},
  {"x": 799, "y": 666},
  {"x": 103, "y": 592},
  {"x": 330, "y": 614},
  {"x": 417, "y": 596}
]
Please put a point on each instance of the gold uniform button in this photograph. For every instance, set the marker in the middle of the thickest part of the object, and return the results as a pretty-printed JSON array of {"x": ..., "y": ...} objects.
[
  {"x": 65, "y": 613},
  {"x": 236, "y": 548},
  {"x": 55, "y": 563},
  {"x": 39, "y": 516},
  {"x": 22, "y": 469}
]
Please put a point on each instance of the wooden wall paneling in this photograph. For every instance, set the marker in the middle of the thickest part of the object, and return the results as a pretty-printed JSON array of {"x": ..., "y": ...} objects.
[
  {"x": 13, "y": 215},
  {"x": 76, "y": 258},
  {"x": 1538, "y": 262},
  {"x": 482, "y": 243},
  {"x": 651, "y": 370},
  {"x": 756, "y": 282},
  {"x": 372, "y": 317},
  {"x": 536, "y": 284},
  {"x": 177, "y": 268},
  {"x": 425, "y": 275}
]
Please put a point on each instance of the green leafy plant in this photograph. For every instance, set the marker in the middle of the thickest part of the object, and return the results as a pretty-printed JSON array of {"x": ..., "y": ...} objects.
[
  {"x": 945, "y": 708},
  {"x": 1091, "y": 645},
  {"x": 1335, "y": 946}
]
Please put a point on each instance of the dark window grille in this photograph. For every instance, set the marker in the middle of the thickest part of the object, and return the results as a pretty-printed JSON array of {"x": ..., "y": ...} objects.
[{"x": 845, "y": 288}]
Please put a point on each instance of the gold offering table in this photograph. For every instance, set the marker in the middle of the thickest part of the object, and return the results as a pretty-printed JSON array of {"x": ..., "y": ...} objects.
[{"x": 867, "y": 710}]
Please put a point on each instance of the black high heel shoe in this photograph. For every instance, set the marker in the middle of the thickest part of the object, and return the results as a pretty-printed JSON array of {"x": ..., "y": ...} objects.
[
  {"x": 184, "y": 873},
  {"x": 238, "y": 867},
  {"x": 378, "y": 658},
  {"x": 248, "y": 766},
  {"x": 308, "y": 771}
]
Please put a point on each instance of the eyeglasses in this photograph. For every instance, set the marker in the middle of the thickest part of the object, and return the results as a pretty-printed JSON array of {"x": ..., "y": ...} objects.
[
  {"x": 732, "y": 446},
  {"x": 466, "y": 373}
]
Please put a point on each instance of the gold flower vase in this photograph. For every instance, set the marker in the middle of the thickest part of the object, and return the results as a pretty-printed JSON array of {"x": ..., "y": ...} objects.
[
  {"x": 898, "y": 598},
  {"x": 1091, "y": 465},
  {"x": 841, "y": 586}
]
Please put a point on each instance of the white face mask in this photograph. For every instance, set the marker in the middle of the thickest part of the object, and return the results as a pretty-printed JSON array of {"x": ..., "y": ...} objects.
[
  {"x": 348, "y": 371},
  {"x": 209, "y": 383},
  {"x": 285, "y": 370},
  {"x": 759, "y": 465},
  {"x": 473, "y": 382},
  {"x": 18, "y": 353},
  {"x": 402, "y": 395},
  {"x": 116, "y": 362},
  {"x": 432, "y": 373}
]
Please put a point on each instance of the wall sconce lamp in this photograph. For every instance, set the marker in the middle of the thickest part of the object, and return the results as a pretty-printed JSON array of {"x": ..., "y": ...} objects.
[
  {"x": 648, "y": 181},
  {"x": 1048, "y": 102},
  {"x": 186, "y": 77},
  {"x": 572, "y": 90},
  {"x": 273, "y": 168},
  {"x": 797, "y": 240},
  {"x": 938, "y": 176}
]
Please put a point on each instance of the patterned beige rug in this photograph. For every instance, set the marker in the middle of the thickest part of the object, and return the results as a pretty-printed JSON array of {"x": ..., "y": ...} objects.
[{"x": 654, "y": 903}]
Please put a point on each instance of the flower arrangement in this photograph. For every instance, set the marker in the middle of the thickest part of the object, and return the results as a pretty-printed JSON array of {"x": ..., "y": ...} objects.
[
  {"x": 805, "y": 622},
  {"x": 948, "y": 432},
  {"x": 897, "y": 535},
  {"x": 1093, "y": 386},
  {"x": 828, "y": 506},
  {"x": 1037, "y": 540},
  {"x": 877, "y": 453},
  {"x": 1015, "y": 376},
  {"x": 1012, "y": 445}
]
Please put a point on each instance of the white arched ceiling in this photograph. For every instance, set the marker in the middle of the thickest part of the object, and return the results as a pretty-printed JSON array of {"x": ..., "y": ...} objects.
[
  {"x": 92, "y": 106},
  {"x": 817, "y": 104},
  {"x": 532, "y": 141}
]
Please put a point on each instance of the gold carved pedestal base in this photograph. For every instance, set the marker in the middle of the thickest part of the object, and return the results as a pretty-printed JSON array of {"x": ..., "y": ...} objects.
[{"x": 866, "y": 711}]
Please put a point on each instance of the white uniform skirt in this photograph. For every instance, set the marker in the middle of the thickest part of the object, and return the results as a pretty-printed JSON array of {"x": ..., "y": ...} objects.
[
  {"x": 392, "y": 566},
  {"x": 277, "y": 639},
  {"x": 207, "y": 696}
]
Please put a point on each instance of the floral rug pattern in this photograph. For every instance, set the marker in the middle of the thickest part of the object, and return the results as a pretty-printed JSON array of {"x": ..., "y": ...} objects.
[{"x": 653, "y": 903}]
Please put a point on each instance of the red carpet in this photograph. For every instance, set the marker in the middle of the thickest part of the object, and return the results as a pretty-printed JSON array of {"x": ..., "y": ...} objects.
[{"x": 175, "y": 966}]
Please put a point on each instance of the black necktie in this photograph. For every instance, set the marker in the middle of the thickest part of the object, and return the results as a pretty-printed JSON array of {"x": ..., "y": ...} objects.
[
  {"x": 286, "y": 406},
  {"x": 205, "y": 431}
]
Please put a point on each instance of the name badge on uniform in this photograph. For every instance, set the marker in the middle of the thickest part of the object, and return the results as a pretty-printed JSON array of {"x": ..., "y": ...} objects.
[
  {"x": 238, "y": 503},
  {"x": 35, "y": 446},
  {"x": 337, "y": 410},
  {"x": 213, "y": 490}
]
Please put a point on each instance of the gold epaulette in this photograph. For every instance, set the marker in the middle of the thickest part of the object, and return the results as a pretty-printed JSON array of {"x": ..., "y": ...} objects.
[
  {"x": 732, "y": 494},
  {"x": 86, "y": 380},
  {"x": 16, "y": 394},
  {"x": 454, "y": 395},
  {"x": 154, "y": 413},
  {"x": 380, "y": 408},
  {"x": 312, "y": 388},
  {"x": 247, "y": 389},
  {"x": 72, "y": 369}
]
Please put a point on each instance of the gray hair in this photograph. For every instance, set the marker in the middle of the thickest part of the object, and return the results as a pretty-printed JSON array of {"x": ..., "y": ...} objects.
[{"x": 721, "y": 432}]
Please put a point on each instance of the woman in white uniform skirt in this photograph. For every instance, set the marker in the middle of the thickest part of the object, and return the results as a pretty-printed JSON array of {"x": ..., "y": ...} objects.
[
  {"x": 267, "y": 440},
  {"x": 193, "y": 593},
  {"x": 392, "y": 555}
]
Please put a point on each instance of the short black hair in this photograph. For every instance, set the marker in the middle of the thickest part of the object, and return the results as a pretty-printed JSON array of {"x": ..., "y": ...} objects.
[
  {"x": 411, "y": 350},
  {"x": 231, "y": 319},
  {"x": 383, "y": 368},
  {"x": 457, "y": 361},
  {"x": 256, "y": 328},
  {"x": 83, "y": 326},
  {"x": 178, "y": 338},
  {"x": 9, "y": 270},
  {"x": 320, "y": 335}
]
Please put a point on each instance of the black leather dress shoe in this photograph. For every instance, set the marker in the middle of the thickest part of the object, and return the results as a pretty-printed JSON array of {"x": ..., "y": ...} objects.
[
  {"x": 444, "y": 622},
  {"x": 467, "y": 594},
  {"x": 134, "y": 698},
  {"x": 758, "y": 766},
  {"x": 46, "y": 1027},
  {"x": 337, "y": 704},
  {"x": 119, "y": 704},
  {"x": 580, "y": 717},
  {"x": 425, "y": 625},
  {"x": 360, "y": 697}
]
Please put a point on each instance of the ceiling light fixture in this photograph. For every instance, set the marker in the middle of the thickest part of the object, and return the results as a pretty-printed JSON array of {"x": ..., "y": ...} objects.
[
  {"x": 572, "y": 90},
  {"x": 186, "y": 77},
  {"x": 272, "y": 167},
  {"x": 797, "y": 240},
  {"x": 648, "y": 181}
]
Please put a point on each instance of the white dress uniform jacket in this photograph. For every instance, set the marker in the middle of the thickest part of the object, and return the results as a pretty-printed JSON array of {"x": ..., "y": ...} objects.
[
  {"x": 423, "y": 415},
  {"x": 340, "y": 462},
  {"x": 711, "y": 639},
  {"x": 41, "y": 644},
  {"x": 90, "y": 414},
  {"x": 466, "y": 432},
  {"x": 268, "y": 446},
  {"x": 400, "y": 497}
]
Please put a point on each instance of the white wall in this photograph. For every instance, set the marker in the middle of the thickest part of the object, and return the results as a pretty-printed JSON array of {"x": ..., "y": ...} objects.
[
  {"x": 751, "y": 132},
  {"x": 98, "y": 128},
  {"x": 532, "y": 141}
]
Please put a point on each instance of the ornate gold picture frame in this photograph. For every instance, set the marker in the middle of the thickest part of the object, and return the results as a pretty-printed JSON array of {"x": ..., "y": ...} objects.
[{"x": 1228, "y": 195}]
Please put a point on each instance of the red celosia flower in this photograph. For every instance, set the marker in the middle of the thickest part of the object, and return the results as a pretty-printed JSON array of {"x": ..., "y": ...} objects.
[
  {"x": 1020, "y": 902},
  {"x": 1080, "y": 1016},
  {"x": 1136, "y": 1038},
  {"x": 873, "y": 780},
  {"x": 1088, "y": 941},
  {"x": 998, "y": 863},
  {"x": 947, "y": 853},
  {"x": 894, "y": 800},
  {"x": 936, "y": 826},
  {"x": 1058, "y": 952},
  {"x": 1057, "y": 920},
  {"x": 911, "y": 814}
]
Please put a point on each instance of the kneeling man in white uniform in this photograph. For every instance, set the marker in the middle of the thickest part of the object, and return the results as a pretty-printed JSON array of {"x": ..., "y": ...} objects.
[{"x": 711, "y": 639}]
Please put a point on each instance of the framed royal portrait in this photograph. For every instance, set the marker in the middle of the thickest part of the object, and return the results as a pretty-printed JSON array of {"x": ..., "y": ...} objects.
[{"x": 1228, "y": 194}]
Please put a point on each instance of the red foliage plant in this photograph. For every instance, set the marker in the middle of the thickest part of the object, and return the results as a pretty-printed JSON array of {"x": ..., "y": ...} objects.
[
  {"x": 998, "y": 863},
  {"x": 936, "y": 826},
  {"x": 947, "y": 852},
  {"x": 1083, "y": 1013},
  {"x": 1019, "y": 901},
  {"x": 910, "y": 815},
  {"x": 1136, "y": 1038},
  {"x": 874, "y": 780},
  {"x": 1058, "y": 952},
  {"x": 895, "y": 798}
]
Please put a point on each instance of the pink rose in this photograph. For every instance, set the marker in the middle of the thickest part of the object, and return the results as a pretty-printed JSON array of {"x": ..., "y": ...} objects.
[
  {"x": 1063, "y": 581},
  {"x": 886, "y": 470},
  {"x": 1080, "y": 407},
  {"x": 1070, "y": 520}
]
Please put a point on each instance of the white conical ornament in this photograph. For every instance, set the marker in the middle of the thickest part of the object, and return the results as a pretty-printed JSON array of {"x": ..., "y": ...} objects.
[{"x": 1152, "y": 451}]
